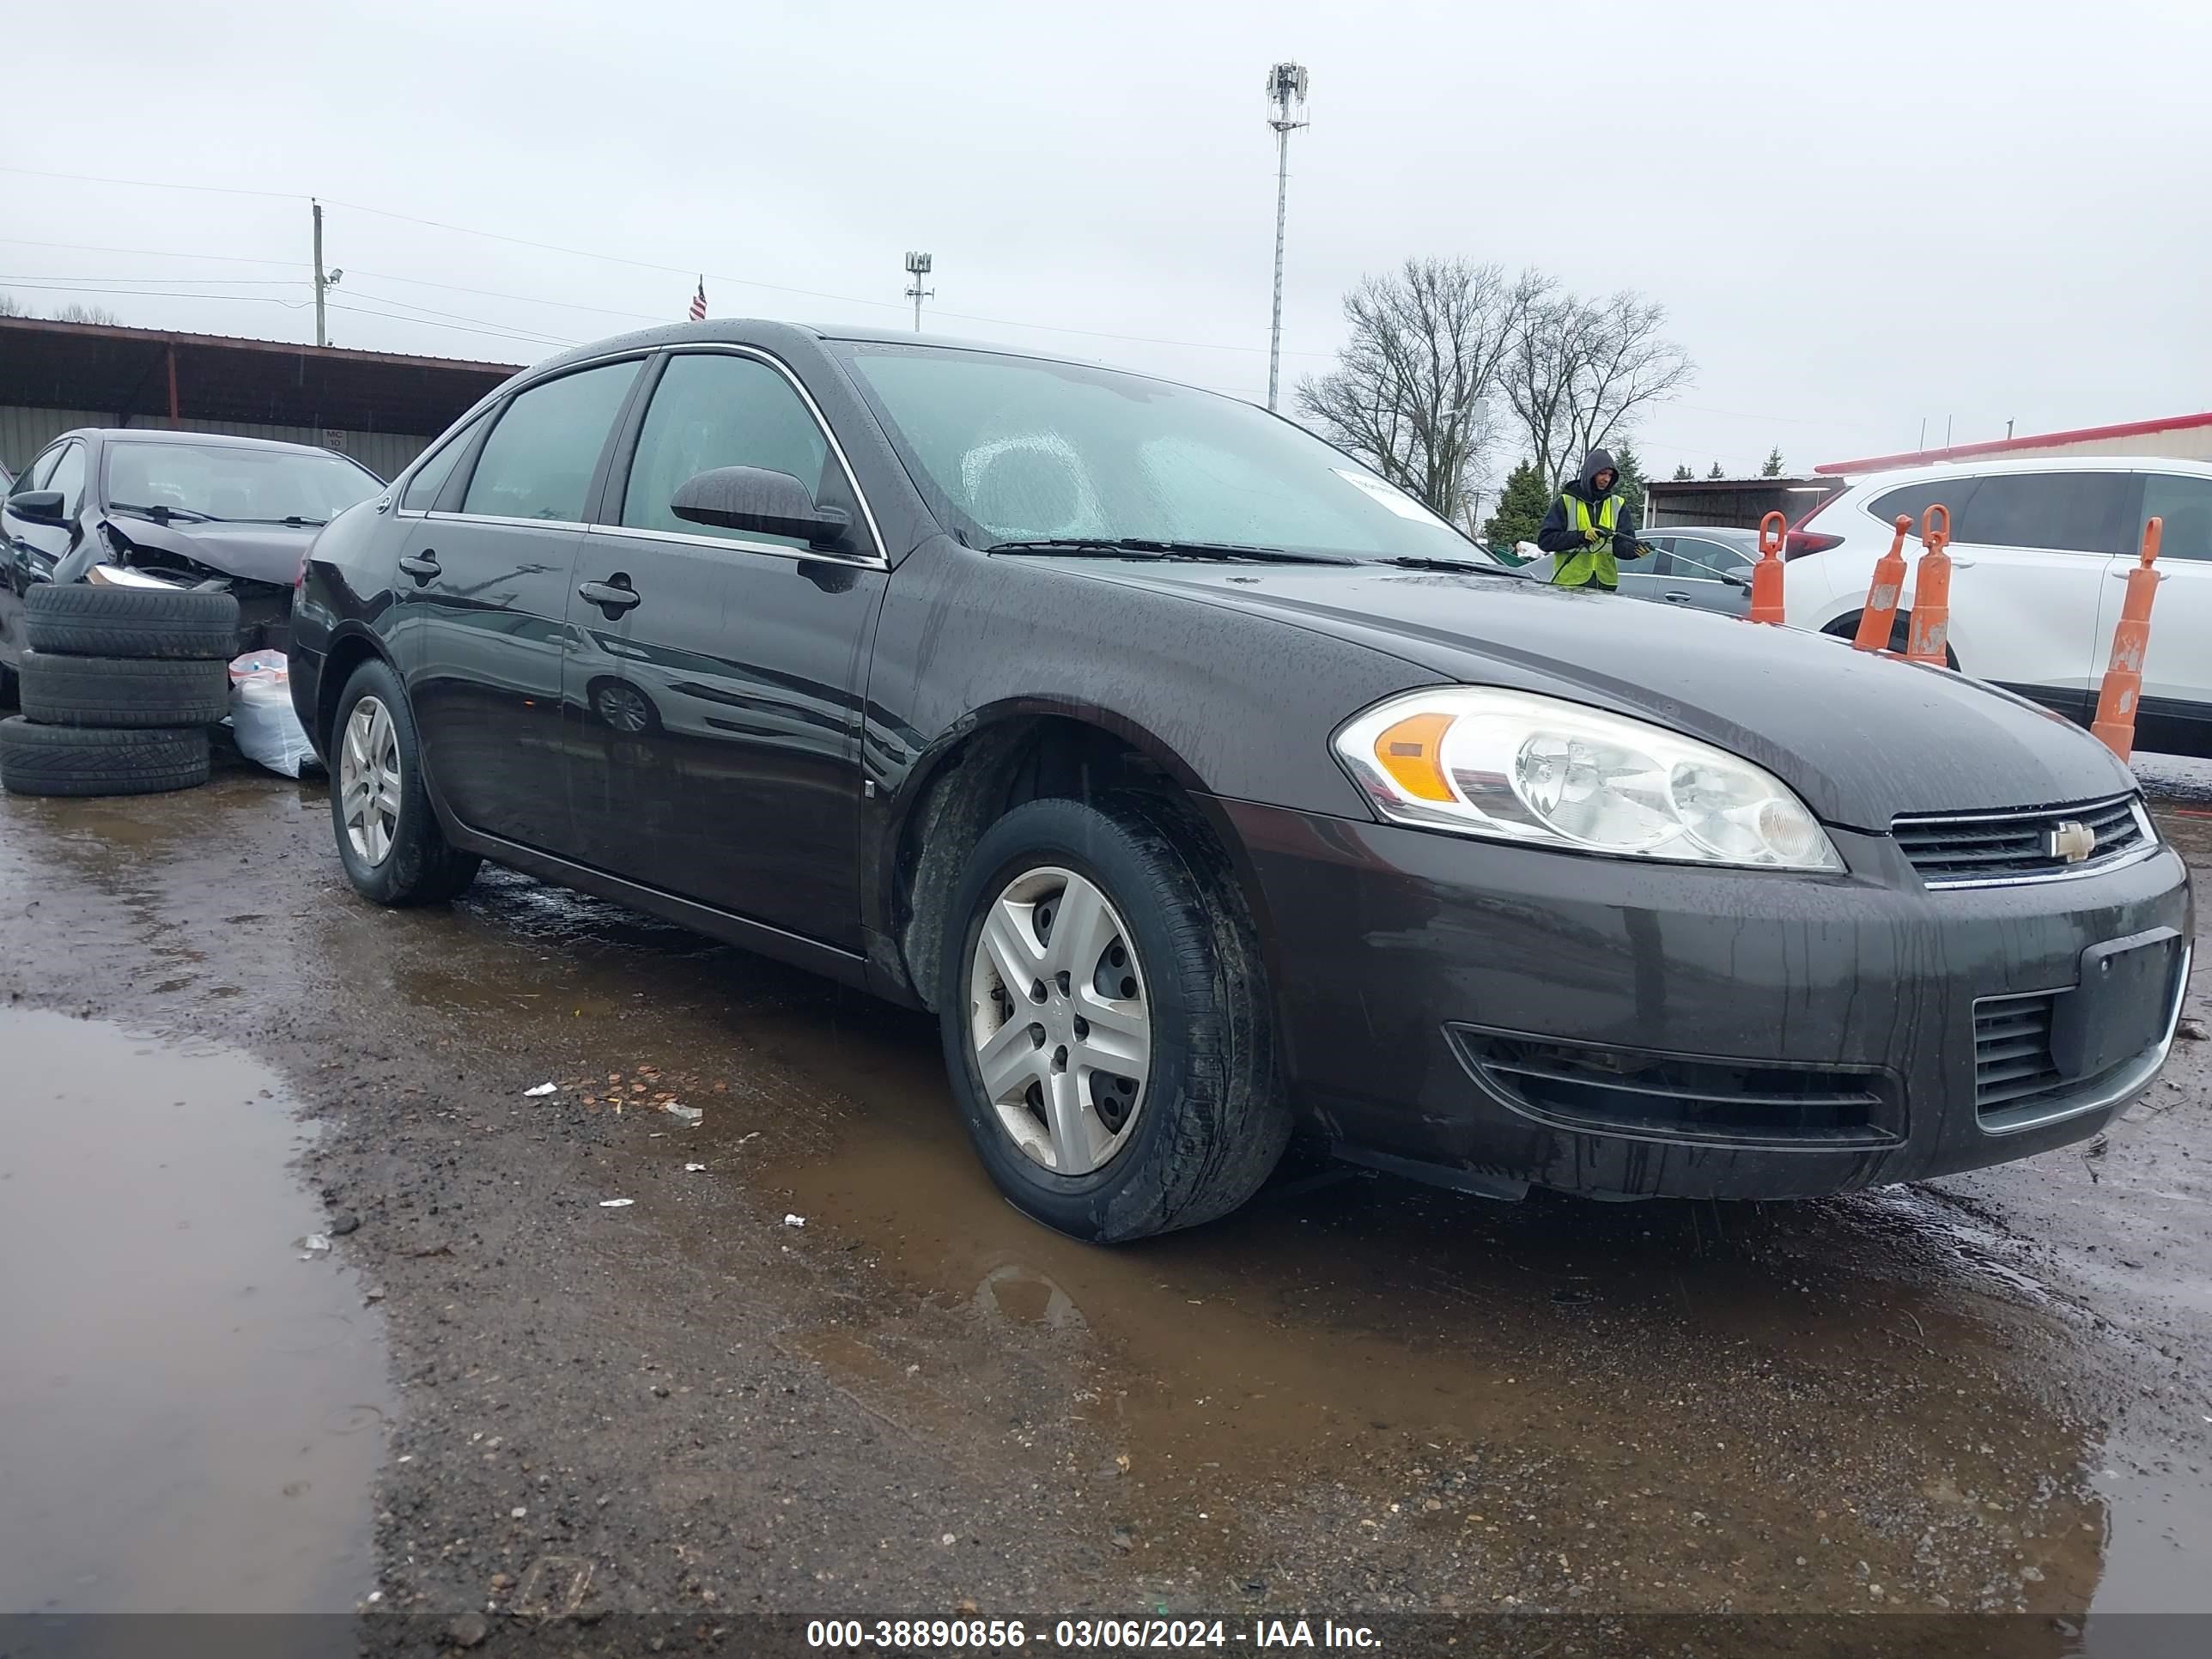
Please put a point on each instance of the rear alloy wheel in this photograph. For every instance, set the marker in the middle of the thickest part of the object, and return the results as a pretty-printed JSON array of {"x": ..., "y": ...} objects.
[
  {"x": 1106, "y": 1021},
  {"x": 387, "y": 833}
]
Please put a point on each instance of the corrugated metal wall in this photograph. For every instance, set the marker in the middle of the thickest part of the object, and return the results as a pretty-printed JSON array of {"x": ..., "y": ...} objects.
[{"x": 25, "y": 431}]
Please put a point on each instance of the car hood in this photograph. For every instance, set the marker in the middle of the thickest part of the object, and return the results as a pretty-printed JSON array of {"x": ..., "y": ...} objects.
[
  {"x": 1862, "y": 737},
  {"x": 253, "y": 552}
]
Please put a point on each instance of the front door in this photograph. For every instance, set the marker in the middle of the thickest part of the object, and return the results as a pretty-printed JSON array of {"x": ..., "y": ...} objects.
[
  {"x": 717, "y": 678},
  {"x": 485, "y": 592}
]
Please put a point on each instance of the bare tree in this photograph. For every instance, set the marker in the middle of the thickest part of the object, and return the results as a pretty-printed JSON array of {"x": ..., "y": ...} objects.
[
  {"x": 1413, "y": 392},
  {"x": 74, "y": 312},
  {"x": 12, "y": 306},
  {"x": 1582, "y": 370}
]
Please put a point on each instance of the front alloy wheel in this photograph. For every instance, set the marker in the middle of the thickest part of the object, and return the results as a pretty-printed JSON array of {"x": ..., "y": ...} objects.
[
  {"x": 1105, "y": 1017},
  {"x": 1058, "y": 1023}
]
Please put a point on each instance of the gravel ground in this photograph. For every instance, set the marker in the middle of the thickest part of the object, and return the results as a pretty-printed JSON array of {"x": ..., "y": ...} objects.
[{"x": 1988, "y": 1393}]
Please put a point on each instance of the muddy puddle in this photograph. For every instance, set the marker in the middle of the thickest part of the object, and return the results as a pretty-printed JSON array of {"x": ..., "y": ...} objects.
[{"x": 193, "y": 1415}]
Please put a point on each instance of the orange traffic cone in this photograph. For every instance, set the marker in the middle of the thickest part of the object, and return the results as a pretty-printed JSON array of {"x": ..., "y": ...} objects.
[
  {"x": 1931, "y": 590},
  {"x": 1766, "y": 574},
  {"x": 1879, "y": 620},
  {"x": 2115, "y": 724}
]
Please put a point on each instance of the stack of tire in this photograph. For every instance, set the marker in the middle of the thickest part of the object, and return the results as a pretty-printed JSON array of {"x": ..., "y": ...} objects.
[{"x": 118, "y": 689}]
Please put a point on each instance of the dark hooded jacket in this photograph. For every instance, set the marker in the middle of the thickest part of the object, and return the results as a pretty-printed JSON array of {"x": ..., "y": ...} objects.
[{"x": 1558, "y": 535}]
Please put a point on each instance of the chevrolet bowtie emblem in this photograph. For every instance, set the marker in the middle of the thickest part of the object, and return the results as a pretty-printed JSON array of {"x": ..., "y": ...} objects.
[{"x": 2070, "y": 840}]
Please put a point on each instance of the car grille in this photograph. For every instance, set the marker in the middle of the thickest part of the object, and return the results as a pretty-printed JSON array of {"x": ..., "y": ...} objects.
[
  {"x": 1981, "y": 847},
  {"x": 2012, "y": 1052},
  {"x": 1588, "y": 1086}
]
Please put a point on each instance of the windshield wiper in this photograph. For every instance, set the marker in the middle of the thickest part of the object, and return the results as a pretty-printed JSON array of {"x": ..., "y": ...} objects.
[
  {"x": 163, "y": 514},
  {"x": 290, "y": 519},
  {"x": 1479, "y": 566},
  {"x": 1147, "y": 547}
]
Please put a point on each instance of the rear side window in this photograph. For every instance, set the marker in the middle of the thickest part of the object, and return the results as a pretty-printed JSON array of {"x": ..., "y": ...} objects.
[
  {"x": 712, "y": 410},
  {"x": 539, "y": 459},
  {"x": 2065, "y": 512},
  {"x": 2185, "y": 505},
  {"x": 1914, "y": 500},
  {"x": 429, "y": 480}
]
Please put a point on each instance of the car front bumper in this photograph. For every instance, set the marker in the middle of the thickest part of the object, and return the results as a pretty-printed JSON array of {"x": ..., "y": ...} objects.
[{"x": 1409, "y": 967}]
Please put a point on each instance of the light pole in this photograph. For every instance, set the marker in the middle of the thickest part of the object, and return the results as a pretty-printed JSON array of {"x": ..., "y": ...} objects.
[
  {"x": 1286, "y": 107},
  {"x": 917, "y": 267},
  {"x": 324, "y": 282}
]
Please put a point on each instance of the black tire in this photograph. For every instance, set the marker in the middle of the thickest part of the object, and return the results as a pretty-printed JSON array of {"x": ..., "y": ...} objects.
[
  {"x": 419, "y": 866},
  {"x": 73, "y": 760},
  {"x": 123, "y": 691},
  {"x": 1212, "y": 1121},
  {"x": 87, "y": 619}
]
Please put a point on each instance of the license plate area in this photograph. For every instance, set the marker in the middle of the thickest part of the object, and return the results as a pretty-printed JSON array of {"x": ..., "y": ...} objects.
[{"x": 2119, "y": 1006}]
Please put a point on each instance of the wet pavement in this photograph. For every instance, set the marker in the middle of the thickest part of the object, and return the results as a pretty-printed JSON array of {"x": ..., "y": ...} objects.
[
  {"x": 1992, "y": 1392},
  {"x": 193, "y": 1411}
]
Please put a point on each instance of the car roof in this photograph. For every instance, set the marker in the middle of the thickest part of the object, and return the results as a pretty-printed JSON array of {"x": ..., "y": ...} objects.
[
  {"x": 1722, "y": 532},
  {"x": 148, "y": 435},
  {"x": 777, "y": 337},
  {"x": 1971, "y": 468}
]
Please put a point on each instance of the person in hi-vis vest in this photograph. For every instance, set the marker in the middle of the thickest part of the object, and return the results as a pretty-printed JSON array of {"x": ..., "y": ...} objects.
[{"x": 1589, "y": 530}]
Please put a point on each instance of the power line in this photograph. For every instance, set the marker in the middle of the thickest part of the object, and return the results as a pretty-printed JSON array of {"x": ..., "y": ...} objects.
[{"x": 648, "y": 264}]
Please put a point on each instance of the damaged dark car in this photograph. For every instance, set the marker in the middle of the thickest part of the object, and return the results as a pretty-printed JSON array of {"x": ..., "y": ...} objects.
[{"x": 174, "y": 509}]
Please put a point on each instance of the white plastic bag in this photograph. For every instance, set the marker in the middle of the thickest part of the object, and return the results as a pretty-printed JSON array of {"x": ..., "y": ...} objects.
[{"x": 261, "y": 716}]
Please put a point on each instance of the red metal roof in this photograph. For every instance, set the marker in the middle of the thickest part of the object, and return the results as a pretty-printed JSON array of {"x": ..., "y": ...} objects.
[
  {"x": 117, "y": 372},
  {"x": 2004, "y": 446}
]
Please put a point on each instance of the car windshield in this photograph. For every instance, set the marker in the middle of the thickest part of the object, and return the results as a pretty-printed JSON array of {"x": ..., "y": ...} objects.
[
  {"x": 1019, "y": 450},
  {"x": 233, "y": 483}
]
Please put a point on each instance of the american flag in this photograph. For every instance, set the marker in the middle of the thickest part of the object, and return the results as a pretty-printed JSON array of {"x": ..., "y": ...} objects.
[{"x": 699, "y": 302}]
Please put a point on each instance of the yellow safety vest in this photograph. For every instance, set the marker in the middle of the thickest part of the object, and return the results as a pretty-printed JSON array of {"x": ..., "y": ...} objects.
[{"x": 1588, "y": 563}]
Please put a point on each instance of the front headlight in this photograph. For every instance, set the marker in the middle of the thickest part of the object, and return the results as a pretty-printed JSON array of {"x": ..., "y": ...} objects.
[{"x": 1514, "y": 766}]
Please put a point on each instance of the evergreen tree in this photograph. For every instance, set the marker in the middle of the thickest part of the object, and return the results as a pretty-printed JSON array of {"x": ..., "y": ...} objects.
[
  {"x": 1773, "y": 467},
  {"x": 1631, "y": 479},
  {"x": 1682, "y": 473},
  {"x": 1716, "y": 472},
  {"x": 1522, "y": 505}
]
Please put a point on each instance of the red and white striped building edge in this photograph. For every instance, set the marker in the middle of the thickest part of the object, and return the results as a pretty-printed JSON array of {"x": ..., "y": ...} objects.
[{"x": 2177, "y": 437}]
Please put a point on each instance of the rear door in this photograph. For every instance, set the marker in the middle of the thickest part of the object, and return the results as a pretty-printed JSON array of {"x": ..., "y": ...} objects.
[
  {"x": 717, "y": 754},
  {"x": 1695, "y": 570},
  {"x": 2176, "y": 674},
  {"x": 2030, "y": 552},
  {"x": 486, "y": 585}
]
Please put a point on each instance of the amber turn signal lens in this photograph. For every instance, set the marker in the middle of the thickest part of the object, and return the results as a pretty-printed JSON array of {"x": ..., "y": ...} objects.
[{"x": 1413, "y": 753}]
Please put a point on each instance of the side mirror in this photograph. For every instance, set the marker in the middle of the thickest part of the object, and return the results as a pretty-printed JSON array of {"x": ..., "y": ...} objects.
[
  {"x": 768, "y": 503},
  {"x": 39, "y": 505}
]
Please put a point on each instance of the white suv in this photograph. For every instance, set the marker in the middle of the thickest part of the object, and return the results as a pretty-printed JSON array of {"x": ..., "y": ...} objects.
[{"x": 2038, "y": 548}]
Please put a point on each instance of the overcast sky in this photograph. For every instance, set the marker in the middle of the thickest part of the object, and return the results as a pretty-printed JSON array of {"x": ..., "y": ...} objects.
[{"x": 1858, "y": 216}]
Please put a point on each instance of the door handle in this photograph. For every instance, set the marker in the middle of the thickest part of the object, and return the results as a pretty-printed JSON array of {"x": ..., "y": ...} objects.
[
  {"x": 612, "y": 596},
  {"x": 424, "y": 564},
  {"x": 1675, "y": 598},
  {"x": 1962, "y": 564}
]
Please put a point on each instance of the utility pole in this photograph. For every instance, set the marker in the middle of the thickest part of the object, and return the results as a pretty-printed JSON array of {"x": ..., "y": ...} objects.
[
  {"x": 917, "y": 267},
  {"x": 1286, "y": 104},
  {"x": 324, "y": 282}
]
